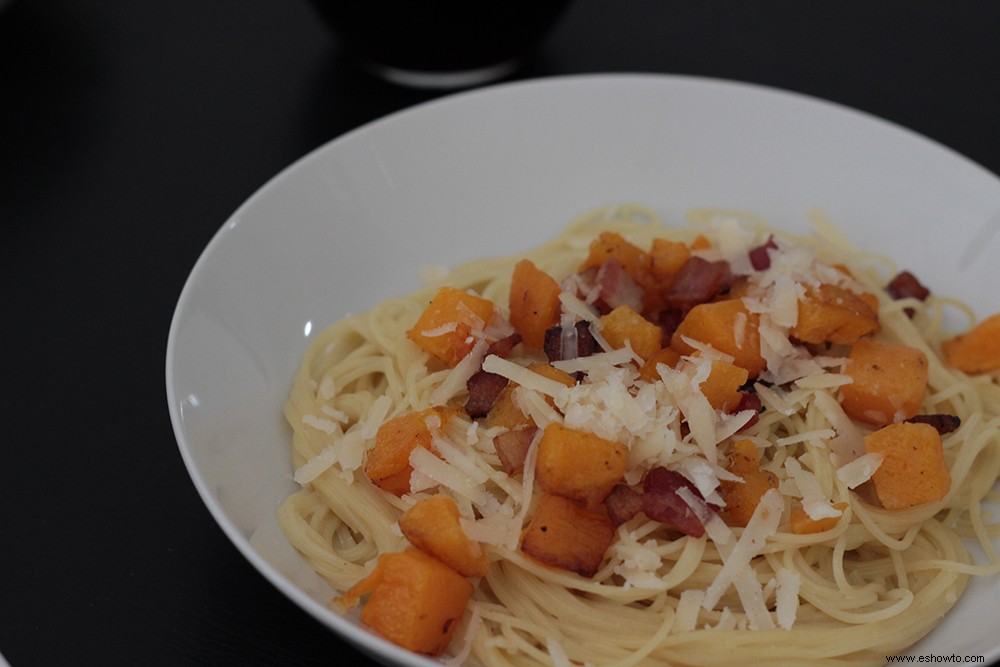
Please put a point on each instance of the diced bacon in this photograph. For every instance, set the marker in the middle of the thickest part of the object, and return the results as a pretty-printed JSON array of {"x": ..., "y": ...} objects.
[
  {"x": 749, "y": 400},
  {"x": 484, "y": 388},
  {"x": 616, "y": 288},
  {"x": 562, "y": 343},
  {"x": 698, "y": 281},
  {"x": 760, "y": 258},
  {"x": 623, "y": 503},
  {"x": 660, "y": 501},
  {"x": 944, "y": 424},
  {"x": 905, "y": 285},
  {"x": 504, "y": 346},
  {"x": 512, "y": 449}
]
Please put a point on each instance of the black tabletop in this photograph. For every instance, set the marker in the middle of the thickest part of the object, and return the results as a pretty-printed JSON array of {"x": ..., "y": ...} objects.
[{"x": 131, "y": 129}]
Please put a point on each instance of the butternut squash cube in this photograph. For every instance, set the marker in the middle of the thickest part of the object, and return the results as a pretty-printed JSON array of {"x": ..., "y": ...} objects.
[
  {"x": 976, "y": 350},
  {"x": 722, "y": 387},
  {"x": 728, "y": 327},
  {"x": 913, "y": 471},
  {"x": 388, "y": 462},
  {"x": 534, "y": 303},
  {"x": 444, "y": 329},
  {"x": 432, "y": 525},
  {"x": 666, "y": 259},
  {"x": 889, "y": 382},
  {"x": 566, "y": 536},
  {"x": 578, "y": 465},
  {"x": 623, "y": 325},
  {"x": 832, "y": 314},
  {"x": 667, "y": 356},
  {"x": 743, "y": 497},
  {"x": 415, "y": 600},
  {"x": 803, "y": 524},
  {"x": 612, "y": 245}
]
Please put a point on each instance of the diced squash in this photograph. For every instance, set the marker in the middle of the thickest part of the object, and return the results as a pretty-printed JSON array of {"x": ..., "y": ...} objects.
[
  {"x": 702, "y": 242},
  {"x": 623, "y": 325},
  {"x": 578, "y": 465},
  {"x": 612, "y": 245},
  {"x": 534, "y": 303},
  {"x": 505, "y": 412},
  {"x": 976, "y": 350},
  {"x": 566, "y": 536},
  {"x": 832, "y": 314},
  {"x": 722, "y": 386},
  {"x": 667, "y": 356},
  {"x": 913, "y": 470},
  {"x": 803, "y": 524},
  {"x": 388, "y": 462},
  {"x": 415, "y": 600},
  {"x": 445, "y": 328},
  {"x": 743, "y": 497},
  {"x": 728, "y": 327},
  {"x": 889, "y": 382},
  {"x": 432, "y": 525},
  {"x": 666, "y": 259}
]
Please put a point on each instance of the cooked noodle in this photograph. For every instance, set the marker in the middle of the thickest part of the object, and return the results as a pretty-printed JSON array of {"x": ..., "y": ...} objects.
[{"x": 871, "y": 586}]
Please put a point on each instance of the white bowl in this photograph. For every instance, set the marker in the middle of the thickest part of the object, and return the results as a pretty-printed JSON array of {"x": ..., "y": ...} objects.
[{"x": 498, "y": 171}]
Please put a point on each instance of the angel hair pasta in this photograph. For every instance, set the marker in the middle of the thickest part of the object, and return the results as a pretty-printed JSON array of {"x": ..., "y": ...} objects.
[{"x": 708, "y": 444}]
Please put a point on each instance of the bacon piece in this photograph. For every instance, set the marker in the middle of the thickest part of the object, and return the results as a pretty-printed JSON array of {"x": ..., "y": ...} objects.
[
  {"x": 623, "y": 503},
  {"x": 504, "y": 346},
  {"x": 904, "y": 286},
  {"x": 669, "y": 319},
  {"x": 660, "y": 501},
  {"x": 698, "y": 281},
  {"x": 512, "y": 448},
  {"x": 760, "y": 258},
  {"x": 484, "y": 388},
  {"x": 580, "y": 342},
  {"x": 944, "y": 424},
  {"x": 616, "y": 287}
]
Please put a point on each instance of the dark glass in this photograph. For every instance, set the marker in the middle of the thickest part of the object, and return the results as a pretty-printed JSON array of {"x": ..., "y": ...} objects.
[{"x": 439, "y": 36}]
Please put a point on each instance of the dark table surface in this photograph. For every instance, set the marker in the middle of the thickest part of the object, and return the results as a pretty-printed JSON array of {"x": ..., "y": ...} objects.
[{"x": 131, "y": 129}]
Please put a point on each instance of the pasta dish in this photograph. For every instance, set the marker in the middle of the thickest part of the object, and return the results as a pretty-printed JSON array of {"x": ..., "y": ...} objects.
[{"x": 710, "y": 443}]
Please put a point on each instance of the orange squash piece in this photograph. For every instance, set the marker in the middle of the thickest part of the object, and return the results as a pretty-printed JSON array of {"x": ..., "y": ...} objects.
[
  {"x": 743, "y": 497},
  {"x": 634, "y": 260},
  {"x": 534, "y": 303},
  {"x": 976, "y": 350},
  {"x": 722, "y": 386},
  {"x": 566, "y": 536},
  {"x": 432, "y": 525},
  {"x": 505, "y": 412},
  {"x": 889, "y": 382},
  {"x": 388, "y": 463},
  {"x": 666, "y": 259},
  {"x": 913, "y": 471},
  {"x": 718, "y": 324},
  {"x": 444, "y": 329},
  {"x": 832, "y": 314},
  {"x": 415, "y": 600},
  {"x": 803, "y": 524},
  {"x": 667, "y": 356},
  {"x": 578, "y": 465},
  {"x": 623, "y": 325}
]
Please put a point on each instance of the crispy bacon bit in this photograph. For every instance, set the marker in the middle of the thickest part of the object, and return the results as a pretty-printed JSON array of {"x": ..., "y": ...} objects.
[
  {"x": 698, "y": 281},
  {"x": 616, "y": 288},
  {"x": 557, "y": 341},
  {"x": 660, "y": 501},
  {"x": 760, "y": 258},
  {"x": 905, "y": 285},
  {"x": 484, "y": 388},
  {"x": 623, "y": 503},
  {"x": 512, "y": 448},
  {"x": 944, "y": 424},
  {"x": 749, "y": 400},
  {"x": 669, "y": 320},
  {"x": 503, "y": 347}
]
